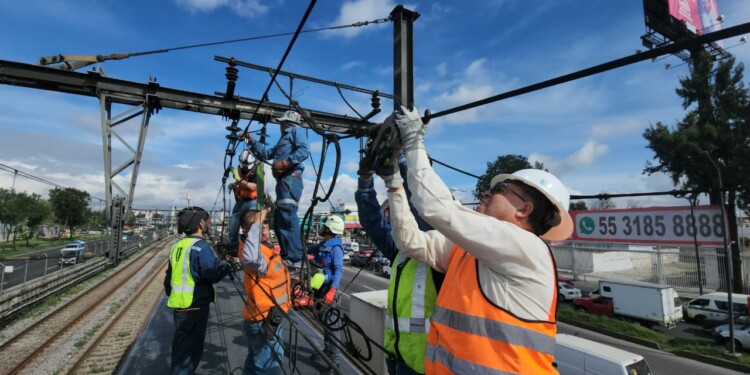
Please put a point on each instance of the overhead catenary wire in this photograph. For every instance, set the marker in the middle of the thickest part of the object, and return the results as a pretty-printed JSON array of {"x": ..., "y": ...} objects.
[
  {"x": 29, "y": 176},
  {"x": 119, "y": 56},
  {"x": 601, "y": 68}
]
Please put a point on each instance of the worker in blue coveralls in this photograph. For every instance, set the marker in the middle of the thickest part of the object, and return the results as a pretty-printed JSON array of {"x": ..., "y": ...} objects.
[
  {"x": 413, "y": 286},
  {"x": 192, "y": 270},
  {"x": 330, "y": 255},
  {"x": 288, "y": 155}
]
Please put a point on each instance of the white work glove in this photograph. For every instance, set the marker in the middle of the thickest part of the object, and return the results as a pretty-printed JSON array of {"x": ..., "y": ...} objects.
[
  {"x": 394, "y": 180},
  {"x": 411, "y": 128}
]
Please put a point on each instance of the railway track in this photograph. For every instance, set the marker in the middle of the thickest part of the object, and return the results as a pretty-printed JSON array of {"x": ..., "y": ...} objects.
[
  {"x": 29, "y": 346},
  {"x": 104, "y": 354}
]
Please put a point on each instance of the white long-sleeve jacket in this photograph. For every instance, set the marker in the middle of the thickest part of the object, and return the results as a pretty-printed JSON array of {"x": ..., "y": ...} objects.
[{"x": 516, "y": 270}]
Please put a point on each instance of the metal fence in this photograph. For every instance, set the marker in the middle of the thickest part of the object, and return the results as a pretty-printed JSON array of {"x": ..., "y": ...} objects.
[
  {"x": 676, "y": 266},
  {"x": 18, "y": 272}
]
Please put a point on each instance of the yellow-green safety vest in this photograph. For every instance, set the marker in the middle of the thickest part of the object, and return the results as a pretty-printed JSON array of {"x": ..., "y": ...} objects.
[
  {"x": 183, "y": 285},
  {"x": 412, "y": 293}
]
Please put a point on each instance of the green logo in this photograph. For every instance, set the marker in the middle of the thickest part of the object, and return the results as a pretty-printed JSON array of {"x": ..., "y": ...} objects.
[{"x": 587, "y": 225}]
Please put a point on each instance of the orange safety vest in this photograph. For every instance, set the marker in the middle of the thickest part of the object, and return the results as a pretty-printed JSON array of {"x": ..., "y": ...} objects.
[
  {"x": 276, "y": 283},
  {"x": 243, "y": 192},
  {"x": 469, "y": 334}
]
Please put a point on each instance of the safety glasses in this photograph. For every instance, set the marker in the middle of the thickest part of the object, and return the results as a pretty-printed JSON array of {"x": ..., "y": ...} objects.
[{"x": 503, "y": 186}]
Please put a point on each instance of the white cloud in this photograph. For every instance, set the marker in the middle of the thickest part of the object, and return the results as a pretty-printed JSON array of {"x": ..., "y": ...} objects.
[
  {"x": 351, "y": 65},
  {"x": 586, "y": 155},
  {"x": 383, "y": 70},
  {"x": 243, "y": 8},
  {"x": 361, "y": 10},
  {"x": 351, "y": 166},
  {"x": 183, "y": 166},
  {"x": 316, "y": 146},
  {"x": 476, "y": 67},
  {"x": 441, "y": 69},
  {"x": 608, "y": 130}
]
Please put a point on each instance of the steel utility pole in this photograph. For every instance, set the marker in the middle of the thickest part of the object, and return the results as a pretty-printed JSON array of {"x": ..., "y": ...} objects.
[{"x": 403, "y": 56}]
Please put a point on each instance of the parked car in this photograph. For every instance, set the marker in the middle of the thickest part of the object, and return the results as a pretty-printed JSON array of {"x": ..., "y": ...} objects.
[
  {"x": 346, "y": 255},
  {"x": 351, "y": 246},
  {"x": 567, "y": 292},
  {"x": 712, "y": 308},
  {"x": 359, "y": 258},
  {"x": 577, "y": 356},
  {"x": 741, "y": 333}
]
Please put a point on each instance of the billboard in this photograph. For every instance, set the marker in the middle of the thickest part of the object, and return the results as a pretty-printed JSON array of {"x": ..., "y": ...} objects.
[
  {"x": 652, "y": 225},
  {"x": 700, "y": 16}
]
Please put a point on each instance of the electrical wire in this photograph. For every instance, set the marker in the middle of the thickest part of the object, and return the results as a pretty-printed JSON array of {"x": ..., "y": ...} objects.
[
  {"x": 29, "y": 176},
  {"x": 453, "y": 168},
  {"x": 601, "y": 68},
  {"x": 258, "y": 37}
]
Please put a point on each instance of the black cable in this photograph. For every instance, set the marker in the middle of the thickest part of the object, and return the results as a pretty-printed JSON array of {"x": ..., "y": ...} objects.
[
  {"x": 164, "y": 50},
  {"x": 347, "y": 103},
  {"x": 453, "y": 168},
  {"x": 29, "y": 176},
  {"x": 601, "y": 68},
  {"x": 264, "y": 97}
]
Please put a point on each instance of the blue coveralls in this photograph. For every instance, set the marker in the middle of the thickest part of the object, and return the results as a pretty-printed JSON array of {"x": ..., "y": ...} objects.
[{"x": 292, "y": 147}]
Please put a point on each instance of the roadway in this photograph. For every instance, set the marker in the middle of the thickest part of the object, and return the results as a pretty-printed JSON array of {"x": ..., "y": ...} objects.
[
  {"x": 661, "y": 363},
  {"x": 25, "y": 269}
]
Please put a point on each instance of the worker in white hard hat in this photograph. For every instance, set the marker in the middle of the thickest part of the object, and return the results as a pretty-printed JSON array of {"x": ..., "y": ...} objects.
[
  {"x": 329, "y": 253},
  {"x": 247, "y": 178},
  {"x": 502, "y": 317},
  {"x": 288, "y": 157}
]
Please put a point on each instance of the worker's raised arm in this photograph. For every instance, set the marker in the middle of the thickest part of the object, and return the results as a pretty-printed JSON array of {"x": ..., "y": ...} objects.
[
  {"x": 431, "y": 247},
  {"x": 495, "y": 242}
]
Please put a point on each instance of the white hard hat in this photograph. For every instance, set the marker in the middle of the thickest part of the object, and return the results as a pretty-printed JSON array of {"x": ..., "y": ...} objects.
[
  {"x": 246, "y": 158},
  {"x": 553, "y": 189},
  {"x": 290, "y": 116},
  {"x": 335, "y": 224}
]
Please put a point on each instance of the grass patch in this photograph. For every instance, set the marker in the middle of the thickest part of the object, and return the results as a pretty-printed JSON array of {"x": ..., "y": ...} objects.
[
  {"x": 615, "y": 325},
  {"x": 37, "y": 244},
  {"x": 87, "y": 336},
  {"x": 123, "y": 334},
  {"x": 703, "y": 348},
  {"x": 97, "y": 369},
  {"x": 635, "y": 330}
]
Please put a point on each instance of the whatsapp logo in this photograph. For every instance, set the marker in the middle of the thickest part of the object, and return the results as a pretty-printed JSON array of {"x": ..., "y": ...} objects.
[{"x": 586, "y": 225}]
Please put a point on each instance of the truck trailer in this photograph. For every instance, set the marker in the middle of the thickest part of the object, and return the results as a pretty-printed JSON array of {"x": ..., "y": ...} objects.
[{"x": 649, "y": 304}]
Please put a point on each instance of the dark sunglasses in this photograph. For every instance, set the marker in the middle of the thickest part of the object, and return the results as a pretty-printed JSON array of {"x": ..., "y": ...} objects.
[{"x": 503, "y": 186}]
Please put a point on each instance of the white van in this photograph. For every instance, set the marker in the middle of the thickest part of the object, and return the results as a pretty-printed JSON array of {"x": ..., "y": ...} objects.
[
  {"x": 578, "y": 356},
  {"x": 714, "y": 307}
]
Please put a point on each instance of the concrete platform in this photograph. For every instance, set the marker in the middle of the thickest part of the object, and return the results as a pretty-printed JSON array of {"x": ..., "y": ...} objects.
[{"x": 226, "y": 345}]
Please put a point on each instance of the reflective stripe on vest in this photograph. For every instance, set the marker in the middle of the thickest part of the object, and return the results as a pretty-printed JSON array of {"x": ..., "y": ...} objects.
[
  {"x": 471, "y": 335},
  {"x": 416, "y": 325},
  {"x": 506, "y": 332},
  {"x": 414, "y": 289},
  {"x": 182, "y": 283},
  {"x": 438, "y": 354},
  {"x": 287, "y": 201}
]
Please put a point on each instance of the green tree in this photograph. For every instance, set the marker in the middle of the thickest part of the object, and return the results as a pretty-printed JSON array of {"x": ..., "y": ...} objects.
[
  {"x": 12, "y": 212},
  {"x": 578, "y": 206},
  {"x": 69, "y": 206},
  {"x": 603, "y": 204},
  {"x": 713, "y": 131},
  {"x": 503, "y": 164},
  {"x": 37, "y": 211}
]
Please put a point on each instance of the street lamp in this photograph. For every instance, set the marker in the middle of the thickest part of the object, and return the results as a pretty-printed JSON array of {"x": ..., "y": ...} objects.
[{"x": 727, "y": 257}]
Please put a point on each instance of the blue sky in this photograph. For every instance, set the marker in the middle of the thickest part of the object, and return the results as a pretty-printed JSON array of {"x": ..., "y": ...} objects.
[{"x": 588, "y": 132}]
